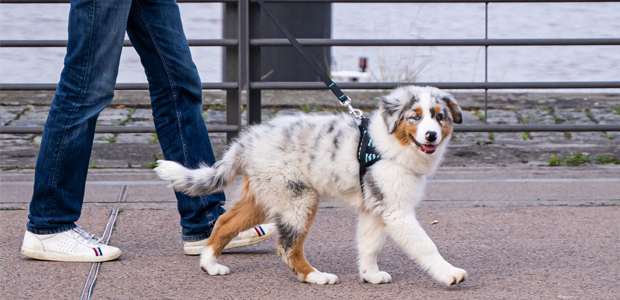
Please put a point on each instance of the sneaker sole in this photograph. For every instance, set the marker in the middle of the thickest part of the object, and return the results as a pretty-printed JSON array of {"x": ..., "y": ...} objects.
[
  {"x": 196, "y": 250},
  {"x": 65, "y": 257}
]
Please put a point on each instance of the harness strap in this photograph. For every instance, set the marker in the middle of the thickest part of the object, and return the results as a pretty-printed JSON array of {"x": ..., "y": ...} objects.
[
  {"x": 367, "y": 154},
  {"x": 324, "y": 77}
]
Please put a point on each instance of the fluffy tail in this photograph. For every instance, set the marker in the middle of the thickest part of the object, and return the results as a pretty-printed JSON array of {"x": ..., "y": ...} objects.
[{"x": 204, "y": 180}]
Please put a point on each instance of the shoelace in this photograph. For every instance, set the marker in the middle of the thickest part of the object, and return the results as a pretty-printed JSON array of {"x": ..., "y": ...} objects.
[{"x": 88, "y": 238}]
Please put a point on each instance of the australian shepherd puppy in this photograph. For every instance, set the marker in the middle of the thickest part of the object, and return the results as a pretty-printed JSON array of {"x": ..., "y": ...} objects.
[{"x": 290, "y": 162}]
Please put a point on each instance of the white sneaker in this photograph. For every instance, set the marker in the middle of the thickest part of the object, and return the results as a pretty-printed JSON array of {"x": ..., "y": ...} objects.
[
  {"x": 245, "y": 238},
  {"x": 74, "y": 245}
]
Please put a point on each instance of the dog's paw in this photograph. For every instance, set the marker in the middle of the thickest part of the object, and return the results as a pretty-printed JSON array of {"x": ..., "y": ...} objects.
[
  {"x": 376, "y": 278},
  {"x": 451, "y": 276},
  {"x": 215, "y": 269},
  {"x": 317, "y": 277}
]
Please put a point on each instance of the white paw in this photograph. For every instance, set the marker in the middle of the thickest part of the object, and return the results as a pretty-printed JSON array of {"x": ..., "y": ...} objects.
[
  {"x": 208, "y": 263},
  {"x": 317, "y": 277},
  {"x": 216, "y": 269},
  {"x": 451, "y": 276},
  {"x": 377, "y": 277}
]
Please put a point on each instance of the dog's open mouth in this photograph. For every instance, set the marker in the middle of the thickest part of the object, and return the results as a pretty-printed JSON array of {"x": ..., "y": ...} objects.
[{"x": 428, "y": 149}]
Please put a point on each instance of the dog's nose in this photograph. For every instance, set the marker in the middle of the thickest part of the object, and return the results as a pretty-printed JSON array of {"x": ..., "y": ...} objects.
[{"x": 431, "y": 136}]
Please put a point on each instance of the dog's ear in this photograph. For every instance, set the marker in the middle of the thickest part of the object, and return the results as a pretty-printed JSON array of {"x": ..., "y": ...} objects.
[
  {"x": 391, "y": 111},
  {"x": 455, "y": 109}
]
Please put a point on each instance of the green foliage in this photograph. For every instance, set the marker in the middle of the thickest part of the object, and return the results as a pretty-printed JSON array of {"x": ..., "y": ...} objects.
[
  {"x": 529, "y": 117},
  {"x": 492, "y": 136},
  {"x": 555, "y": 161},
  {"x": 568, "y": 135},
  {"x": 577, "y": 159},
  {"x": 95, "y": 165},
  {"x": 152, "y": 165},
  {"x": 617, "y": 109},
  {"x": 306, "y": 108},
  {"x": 154, "y": 139},
  {"x": 11, "y": 208},
  {"x": 609, "y": 136},
  {"x": 111, "y": 139},
  {"x": 525, "y": 135},
  {"x": 319, "y": 108},
  {"x": 480, "y": 115},
  {"x": 608, "y": 160}
]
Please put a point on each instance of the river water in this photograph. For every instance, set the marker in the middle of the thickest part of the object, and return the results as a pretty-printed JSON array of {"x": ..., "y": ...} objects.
[{"x": 372, "y": 21}]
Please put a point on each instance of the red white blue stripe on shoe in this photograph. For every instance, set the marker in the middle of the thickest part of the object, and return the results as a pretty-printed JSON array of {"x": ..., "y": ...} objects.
[
  {"x": 98, "y": 251},
  {"x": 259, "y": 230}
]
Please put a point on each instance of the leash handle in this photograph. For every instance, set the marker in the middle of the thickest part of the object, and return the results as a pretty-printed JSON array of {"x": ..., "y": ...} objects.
[{"x": 344, "y": 99}]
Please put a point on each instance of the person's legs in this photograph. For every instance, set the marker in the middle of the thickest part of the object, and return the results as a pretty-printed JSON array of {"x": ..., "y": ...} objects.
[
  {"x": 156, "y": 32},
  {"x": 96, "y": 33}
]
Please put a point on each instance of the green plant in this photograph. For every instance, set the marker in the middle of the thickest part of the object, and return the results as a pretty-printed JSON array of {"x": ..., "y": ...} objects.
[
  {"x": 608, "y": 160},
  {"x": 529, "y": 117},
  {"x": 617, "y": 109},
  {"x": 95, "y": 165},
  {"x": 525, "y": 135},
  {"x": 568, "y": 135},
  {"x": 152, "y": 165},
  {"x": 492, "y": 136},
  {"x": 306, "y": 108},
  {"x": 555, "y": 161},
  {"x": 11, "y": 208},
  {"x": 222, "y": 142},
  {"x": 154, "y": 139},
  {"x": 557, "y": 120},
  {"x": 480, "y": 115},
  {"x": 319, "y": 108},
  {"x": 129, "y": 164},
  {"x": 577, "y": 159},
  {"x": 217, "y": 107},
  {"x": 609, "y": 136},
  {"x": 111, "y": 139}
]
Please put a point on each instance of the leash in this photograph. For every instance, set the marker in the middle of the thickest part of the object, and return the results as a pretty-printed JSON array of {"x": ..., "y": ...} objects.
[{"x": 344, "y": 99}]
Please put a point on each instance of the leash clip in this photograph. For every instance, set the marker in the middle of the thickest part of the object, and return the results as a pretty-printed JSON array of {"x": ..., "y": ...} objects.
[{"x": 356, "y": 112}]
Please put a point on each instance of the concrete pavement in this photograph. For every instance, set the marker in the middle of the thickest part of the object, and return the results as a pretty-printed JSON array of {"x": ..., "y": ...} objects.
[{"x": 521, "y": 233}]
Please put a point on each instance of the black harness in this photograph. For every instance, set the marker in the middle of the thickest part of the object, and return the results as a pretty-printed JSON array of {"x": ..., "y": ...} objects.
[{"x": 367, "y": 154}]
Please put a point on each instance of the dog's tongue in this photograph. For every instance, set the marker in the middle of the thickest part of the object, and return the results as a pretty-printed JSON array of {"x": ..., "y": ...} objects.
[{"x": 428, "y": 148}]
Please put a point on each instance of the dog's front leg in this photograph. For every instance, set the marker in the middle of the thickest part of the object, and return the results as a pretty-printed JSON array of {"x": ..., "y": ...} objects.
[
  {"x": 370, "y": 240},
  {"x": 406, "y": 231}
]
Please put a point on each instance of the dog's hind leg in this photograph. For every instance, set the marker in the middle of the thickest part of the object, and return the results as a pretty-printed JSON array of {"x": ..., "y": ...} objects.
[
  {"x": 370, "y": 240},
  {"x": 244, "y": 215},
  {"x": 293, "y": 226},
  {"x": 406, "y": 231}
]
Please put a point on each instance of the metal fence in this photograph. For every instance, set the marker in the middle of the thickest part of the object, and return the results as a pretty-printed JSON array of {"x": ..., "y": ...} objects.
[{"x": 241, "y": 69}]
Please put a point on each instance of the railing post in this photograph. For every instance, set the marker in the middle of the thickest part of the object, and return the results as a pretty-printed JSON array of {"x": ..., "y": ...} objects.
[
  {"x": 230, "y": 67},
  {"x": 244, "y": 47},
  {"x": 486, "y": 59},
  {"x": 254, "y": 64}
]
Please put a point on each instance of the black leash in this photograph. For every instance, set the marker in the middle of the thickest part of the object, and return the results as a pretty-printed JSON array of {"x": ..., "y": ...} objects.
[{"x": 344, "y": 99}]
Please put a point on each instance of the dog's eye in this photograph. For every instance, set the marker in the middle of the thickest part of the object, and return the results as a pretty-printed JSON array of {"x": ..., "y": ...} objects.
[
  {"x": 439, "y": 117},
  {"x": 416, "y": 117}
]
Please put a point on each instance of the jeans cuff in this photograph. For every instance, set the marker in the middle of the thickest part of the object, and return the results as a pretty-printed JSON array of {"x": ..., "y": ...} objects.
[
  {"x": 52, "y": 231},
  {"x": 193, "y": 238}
]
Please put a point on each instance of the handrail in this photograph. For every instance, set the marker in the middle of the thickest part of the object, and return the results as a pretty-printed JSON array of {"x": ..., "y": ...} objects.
[{"x": 241, "y": 44}]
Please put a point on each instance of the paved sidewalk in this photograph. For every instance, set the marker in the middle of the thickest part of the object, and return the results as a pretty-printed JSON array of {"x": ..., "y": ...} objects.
[{"x": 521, "y": 233}]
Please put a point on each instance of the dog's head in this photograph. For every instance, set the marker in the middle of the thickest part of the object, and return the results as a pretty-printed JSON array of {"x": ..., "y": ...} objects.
[{"x": 420, "y": 117}]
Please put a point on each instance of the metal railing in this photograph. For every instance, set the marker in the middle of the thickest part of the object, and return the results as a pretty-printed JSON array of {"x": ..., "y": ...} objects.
[{"x": 241, "y": 68}]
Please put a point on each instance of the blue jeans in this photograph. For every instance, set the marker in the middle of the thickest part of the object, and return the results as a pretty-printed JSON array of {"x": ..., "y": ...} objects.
[{"x": 96, "y": 34}]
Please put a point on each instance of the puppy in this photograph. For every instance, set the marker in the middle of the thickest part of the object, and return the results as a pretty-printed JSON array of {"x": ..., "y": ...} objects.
[{"x": 291, "y": 161}]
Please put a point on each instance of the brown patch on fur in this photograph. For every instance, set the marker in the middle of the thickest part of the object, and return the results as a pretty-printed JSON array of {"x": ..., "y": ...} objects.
[
  {"x": 244, "y": 215},
  {"x": 294, "y": 257},
  {"x": 403, "y": 131},
  {"x": 446, "y": 130},
  {"x": 436, "y": 110},
  {"x": 296, "y": 254}
]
